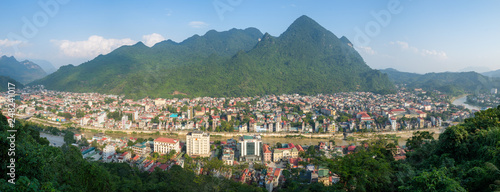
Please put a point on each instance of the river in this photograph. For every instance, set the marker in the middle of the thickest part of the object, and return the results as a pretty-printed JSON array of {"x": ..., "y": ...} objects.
[{"x": 462, "y": 100}]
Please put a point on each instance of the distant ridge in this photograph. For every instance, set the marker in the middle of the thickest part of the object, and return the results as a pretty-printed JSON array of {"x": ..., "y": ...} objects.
[
  {"x": 305, "y": 59},
  {"x": 24, "y": 71},
  {"x": 453, "y": 83}
]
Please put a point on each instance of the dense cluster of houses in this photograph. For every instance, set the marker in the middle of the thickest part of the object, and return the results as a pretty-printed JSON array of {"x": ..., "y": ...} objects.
[{"x": 407, "y": 109}]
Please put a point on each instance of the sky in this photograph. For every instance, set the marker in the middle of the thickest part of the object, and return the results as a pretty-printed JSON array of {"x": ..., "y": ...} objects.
[{"x": 409, "y": 35}]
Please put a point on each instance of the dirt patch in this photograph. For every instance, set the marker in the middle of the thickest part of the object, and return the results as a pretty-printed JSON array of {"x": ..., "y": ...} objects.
[{"x": 178, "y": 93}]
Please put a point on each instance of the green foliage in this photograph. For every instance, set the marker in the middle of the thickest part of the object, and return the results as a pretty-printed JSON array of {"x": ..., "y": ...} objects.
[
  {"x": 418, "y": 139},
  {"x": 68, "y": 116},
  {"x": 364, "y": 170},
  {"x": 116, "y": 115},
  {"x": 433, "y": 181},
  {"x": 4, "y": 80}
]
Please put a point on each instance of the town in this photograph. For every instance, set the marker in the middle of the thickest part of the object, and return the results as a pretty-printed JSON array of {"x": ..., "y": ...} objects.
[
  {"x": 246, "y": 159},
  {"x": 341, "y": 112}
]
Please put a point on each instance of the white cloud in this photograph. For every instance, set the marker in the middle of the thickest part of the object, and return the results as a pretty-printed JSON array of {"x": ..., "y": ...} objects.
[
  {"x": 152, "y": 39},
  {"x": 424, "y": 52},
  {"x": 91, "y": 47},
  {"x": 198, "y": 24},
  {"x": 9, "y": 43},
  {"x": 438, "y": 54},
  {"x": 367, "y": 50}
]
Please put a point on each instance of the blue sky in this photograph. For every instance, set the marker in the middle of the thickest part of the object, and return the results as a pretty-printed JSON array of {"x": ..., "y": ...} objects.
[{"x": 409, "y": 35}]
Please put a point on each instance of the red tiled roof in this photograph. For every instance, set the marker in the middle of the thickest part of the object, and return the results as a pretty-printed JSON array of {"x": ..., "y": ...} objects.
[
  {"x": 266, "y": 148},
  {"x": 399, "y": 110},
  {"x": 277, "y": 172},
  {"x": 351, "y": 148},
  {"x": 299, "y": 148},
  {"x": 166, "y": 140}
]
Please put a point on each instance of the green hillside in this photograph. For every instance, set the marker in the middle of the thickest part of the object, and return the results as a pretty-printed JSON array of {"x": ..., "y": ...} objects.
[
  {"x": 24, "y": 71},
  {"x": 305, "y": 59},
  {"x": 4, "y": 83},
  {"x": 448, "y": 82}
]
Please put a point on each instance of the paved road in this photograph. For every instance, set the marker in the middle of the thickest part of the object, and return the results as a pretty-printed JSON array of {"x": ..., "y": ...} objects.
[{"x": 54, "y": 140}]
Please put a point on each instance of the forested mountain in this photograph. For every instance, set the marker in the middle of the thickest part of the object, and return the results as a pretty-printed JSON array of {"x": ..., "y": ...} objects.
[
  {"x": 448, "y": 82},
  {"x": 495, "y": 73},
  {"x": 4, "y": 83},
  {"x": 306, "y": 59},
  {"x": 45, "y": 65},
  {"x": 24, "y": 71}
]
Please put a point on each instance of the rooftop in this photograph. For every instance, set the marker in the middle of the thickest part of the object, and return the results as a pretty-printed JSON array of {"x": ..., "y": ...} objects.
[{"x": 166, "y": 140}]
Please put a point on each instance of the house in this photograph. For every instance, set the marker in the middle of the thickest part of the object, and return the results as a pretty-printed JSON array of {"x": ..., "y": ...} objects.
[
  {"x": 285, "y": 153},
  {"x": 228, "y": 156},
  {"x": 124, "y": 157},
  {"x": 267, "y": 153},
  {"x": 141, "y": 148},
  {"x": 164, "y": 145},
  {"x": 77, "y": 137}
]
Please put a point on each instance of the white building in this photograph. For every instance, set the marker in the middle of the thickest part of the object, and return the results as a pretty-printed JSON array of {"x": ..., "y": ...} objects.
[
  {"x": 198, "y": 144},
  {"x": 228, "y": 156},
  {"x": 250, "y": 148},
  {"x": 108, "y": 151},
  {"x": 165, "y": 145},
  {"x": 494, "y": 91},
  {"x": 102, "y": 118}
]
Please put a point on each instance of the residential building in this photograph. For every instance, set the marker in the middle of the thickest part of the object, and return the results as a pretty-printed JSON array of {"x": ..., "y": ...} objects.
[
  {"x": 141, "y": 148},
  {"x": 285, "y": 153},
  {"x": 228, "y": 156},
  {"x": 267, "y": 153},
  {"x": 108, "y": 152}
]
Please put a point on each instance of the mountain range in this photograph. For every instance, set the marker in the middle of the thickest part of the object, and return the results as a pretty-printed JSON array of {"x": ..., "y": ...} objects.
[
  {"x": 24, "y": 71},
  {"x": 453, "y": 83},
  {"x": 495, "y": 73},
  {"x": 305, "y": 59}
]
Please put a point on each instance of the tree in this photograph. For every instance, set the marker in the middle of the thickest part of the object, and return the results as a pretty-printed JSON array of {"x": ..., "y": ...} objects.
[
  {"x": 418, "y": 139},
  {"x": 69, "y": 138},
  {"x": 279, "y": 145},
  {"x": 363, "y": 171},
  {"x": 435, "y": 180}
]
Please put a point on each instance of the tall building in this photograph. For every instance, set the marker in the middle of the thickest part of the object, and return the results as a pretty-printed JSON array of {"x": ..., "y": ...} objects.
[
  {"x": 250, "y": 148},
  {"x": 198, "y": 144},
  {"x": 190, "y": 113},
  {"x": 108, "y": 152},
  {"x": 228, "y": 156},
  {"x": 124, "y": 122},
  {"x": 165, "y": 145},
  {"x": 494, "y": 91},
  {"x": 102, "y": 117}
]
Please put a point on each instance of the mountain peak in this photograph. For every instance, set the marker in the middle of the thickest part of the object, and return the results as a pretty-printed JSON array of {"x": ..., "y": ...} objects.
[
  {"x": 304, "y": 23},
  {"x": 306, "y": 28}
]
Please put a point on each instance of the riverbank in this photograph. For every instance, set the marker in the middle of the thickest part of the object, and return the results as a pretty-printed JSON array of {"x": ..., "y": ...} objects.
[
  {"x": 452, "y": 100},
  {"x": 462, "y": 101},
  {"x": 272, "y": 138}
]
